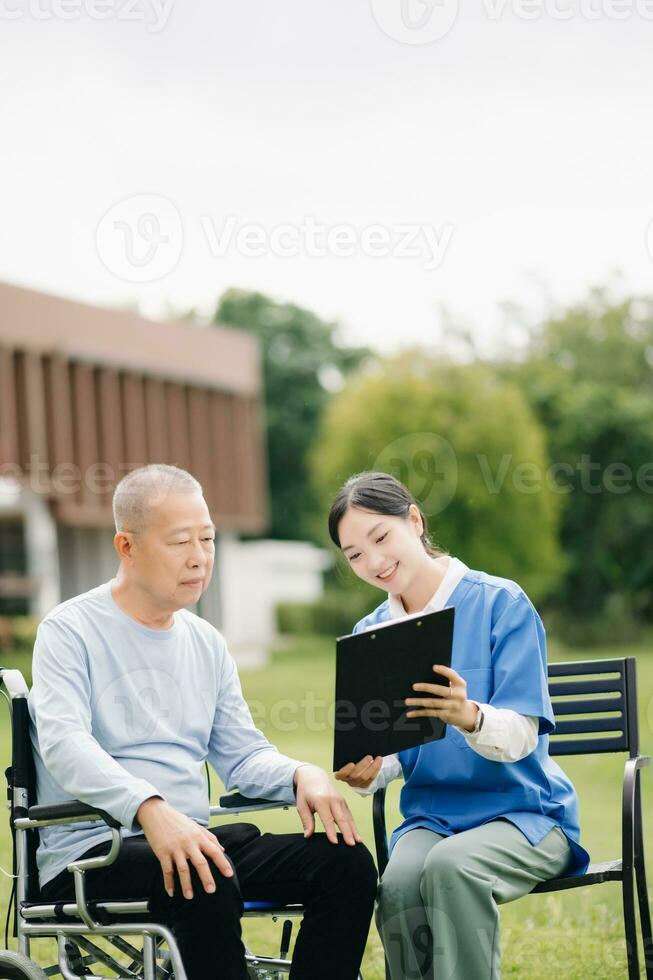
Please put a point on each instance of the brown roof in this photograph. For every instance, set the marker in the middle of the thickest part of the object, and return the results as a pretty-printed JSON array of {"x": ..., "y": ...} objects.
[
  {"x": 219, "y": 357},
  {"x": 96, "y": 393}
]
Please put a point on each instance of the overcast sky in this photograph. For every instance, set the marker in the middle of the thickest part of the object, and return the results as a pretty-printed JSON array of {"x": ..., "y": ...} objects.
[{"x": 165, "y": 153}]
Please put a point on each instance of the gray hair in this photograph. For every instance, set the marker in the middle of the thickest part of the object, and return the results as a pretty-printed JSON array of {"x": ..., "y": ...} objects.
[{"x": 144, "y": 488}]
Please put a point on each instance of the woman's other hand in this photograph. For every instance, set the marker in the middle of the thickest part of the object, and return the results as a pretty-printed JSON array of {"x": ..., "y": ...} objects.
[{"x": 360, "y": 775}]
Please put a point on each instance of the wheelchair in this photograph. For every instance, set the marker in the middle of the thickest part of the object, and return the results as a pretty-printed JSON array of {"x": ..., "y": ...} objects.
[{"x": 77, "y": 925}]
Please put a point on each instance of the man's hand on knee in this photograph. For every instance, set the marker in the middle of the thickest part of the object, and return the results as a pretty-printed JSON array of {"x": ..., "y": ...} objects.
[
  {"x": 316, "y": 793},
  {"x": 179, "y": 842}
]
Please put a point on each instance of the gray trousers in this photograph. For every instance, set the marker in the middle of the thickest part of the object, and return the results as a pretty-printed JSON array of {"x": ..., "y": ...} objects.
[{"x": 437, "y": 907}]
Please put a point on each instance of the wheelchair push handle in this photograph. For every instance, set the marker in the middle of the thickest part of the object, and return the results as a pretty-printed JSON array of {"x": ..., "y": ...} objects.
[{"x": 14, "y": 681}]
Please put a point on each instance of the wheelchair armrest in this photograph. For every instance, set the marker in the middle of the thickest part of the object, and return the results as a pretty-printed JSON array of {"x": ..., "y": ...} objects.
[
  {"x": 70, "y": 811},
  {"x": 238, "y": 802}
]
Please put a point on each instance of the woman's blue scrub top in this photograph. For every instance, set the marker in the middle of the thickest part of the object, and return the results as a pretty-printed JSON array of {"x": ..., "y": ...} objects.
[{"x": 499, "y": 647}]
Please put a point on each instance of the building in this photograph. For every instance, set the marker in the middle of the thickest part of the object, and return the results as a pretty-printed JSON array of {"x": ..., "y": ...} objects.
[{"x": 87, "y": 394}]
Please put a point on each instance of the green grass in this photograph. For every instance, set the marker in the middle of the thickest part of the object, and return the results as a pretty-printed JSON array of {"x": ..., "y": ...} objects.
[{"x": 576, "y": 934}]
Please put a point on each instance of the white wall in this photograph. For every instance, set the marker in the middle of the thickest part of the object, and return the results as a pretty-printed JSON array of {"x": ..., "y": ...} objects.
[
  {"x": 41, "y": 544},
  {"x": 86, "y": 559},
  {"x": 252, "y": 577}
]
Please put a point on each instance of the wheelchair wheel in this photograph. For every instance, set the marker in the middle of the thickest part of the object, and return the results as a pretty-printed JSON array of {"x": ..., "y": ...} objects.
[{"x": 15, "y": 966}]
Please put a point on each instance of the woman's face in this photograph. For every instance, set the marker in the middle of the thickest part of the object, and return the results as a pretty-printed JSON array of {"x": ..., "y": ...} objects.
[{"x": 385, "y": 551}]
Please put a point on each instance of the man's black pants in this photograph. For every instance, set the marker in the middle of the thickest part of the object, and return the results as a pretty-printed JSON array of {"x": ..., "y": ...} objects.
[{"x": 335, "y": 883}]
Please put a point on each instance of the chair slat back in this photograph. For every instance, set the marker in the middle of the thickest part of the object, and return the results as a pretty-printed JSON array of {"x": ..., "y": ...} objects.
[{"x": 595, "y": 706}]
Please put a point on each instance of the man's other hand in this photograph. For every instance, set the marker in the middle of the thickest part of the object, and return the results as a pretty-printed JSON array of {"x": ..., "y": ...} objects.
[{"x": 178, "y": 842}]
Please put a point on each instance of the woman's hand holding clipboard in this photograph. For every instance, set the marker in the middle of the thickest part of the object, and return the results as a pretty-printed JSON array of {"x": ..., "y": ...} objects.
[{"x": 449, "y": 704}]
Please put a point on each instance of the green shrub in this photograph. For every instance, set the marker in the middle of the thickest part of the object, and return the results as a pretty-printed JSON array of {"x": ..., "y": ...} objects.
[
  {"x": 17, "y": 636},
  {"x": 294, "y": 617},
  {"x": 618, "y": 622},
  {"x": 334, "y": 614},
  {"x": 338, "y": 611},
  {"x": 17, "y": 633}
]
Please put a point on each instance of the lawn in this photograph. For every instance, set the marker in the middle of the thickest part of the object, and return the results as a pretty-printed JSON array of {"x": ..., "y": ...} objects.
[{"x": 575, "y": 935}]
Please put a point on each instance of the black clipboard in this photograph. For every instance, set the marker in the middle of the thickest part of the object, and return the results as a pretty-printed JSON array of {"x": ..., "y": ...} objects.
[{"x": 375, "y": 672}]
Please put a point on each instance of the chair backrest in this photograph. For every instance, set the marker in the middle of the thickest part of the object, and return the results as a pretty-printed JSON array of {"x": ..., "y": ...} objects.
[
  {"x": 23, "y": 775},
  {"x": 595, "y": 707}
]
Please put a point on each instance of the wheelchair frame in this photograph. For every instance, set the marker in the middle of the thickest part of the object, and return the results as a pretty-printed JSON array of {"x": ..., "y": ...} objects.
[{"x": 72, "y": 923}]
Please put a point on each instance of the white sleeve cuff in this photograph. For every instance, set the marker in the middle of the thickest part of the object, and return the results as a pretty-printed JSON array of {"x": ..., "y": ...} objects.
[{"x": 506, "y": 736}]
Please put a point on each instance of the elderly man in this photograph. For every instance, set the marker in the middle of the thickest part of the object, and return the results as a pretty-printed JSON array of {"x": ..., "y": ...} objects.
[{"x": 132, "y": 693}]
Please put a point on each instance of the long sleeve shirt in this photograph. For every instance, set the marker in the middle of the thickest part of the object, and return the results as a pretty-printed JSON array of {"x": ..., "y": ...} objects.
[
  {"x": 506, "y": 735},
  {"x": 121, "y": 712}
]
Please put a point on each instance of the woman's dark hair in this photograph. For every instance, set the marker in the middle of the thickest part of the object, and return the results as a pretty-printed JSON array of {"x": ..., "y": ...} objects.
[{"x": 380, "y": 493}]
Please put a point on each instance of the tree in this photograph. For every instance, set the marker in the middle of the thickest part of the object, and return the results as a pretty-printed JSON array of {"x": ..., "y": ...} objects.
[
  {"x": 470, "y": 449},
  {"x": 588, "y": 376},
  {"x": 302, "y": 363}
]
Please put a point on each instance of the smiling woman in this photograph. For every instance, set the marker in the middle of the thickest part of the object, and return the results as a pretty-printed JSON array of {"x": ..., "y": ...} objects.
[
  {"x": 382, "y": 557},
  {"x": 483, "y": 825}
]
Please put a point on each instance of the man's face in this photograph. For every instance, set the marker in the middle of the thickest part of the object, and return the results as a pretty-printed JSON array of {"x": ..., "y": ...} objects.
[{"x": 172, "y": 559}]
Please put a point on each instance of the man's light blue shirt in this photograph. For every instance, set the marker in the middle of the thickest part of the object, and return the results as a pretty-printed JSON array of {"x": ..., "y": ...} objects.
[{"x": 121, "y": 712}]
